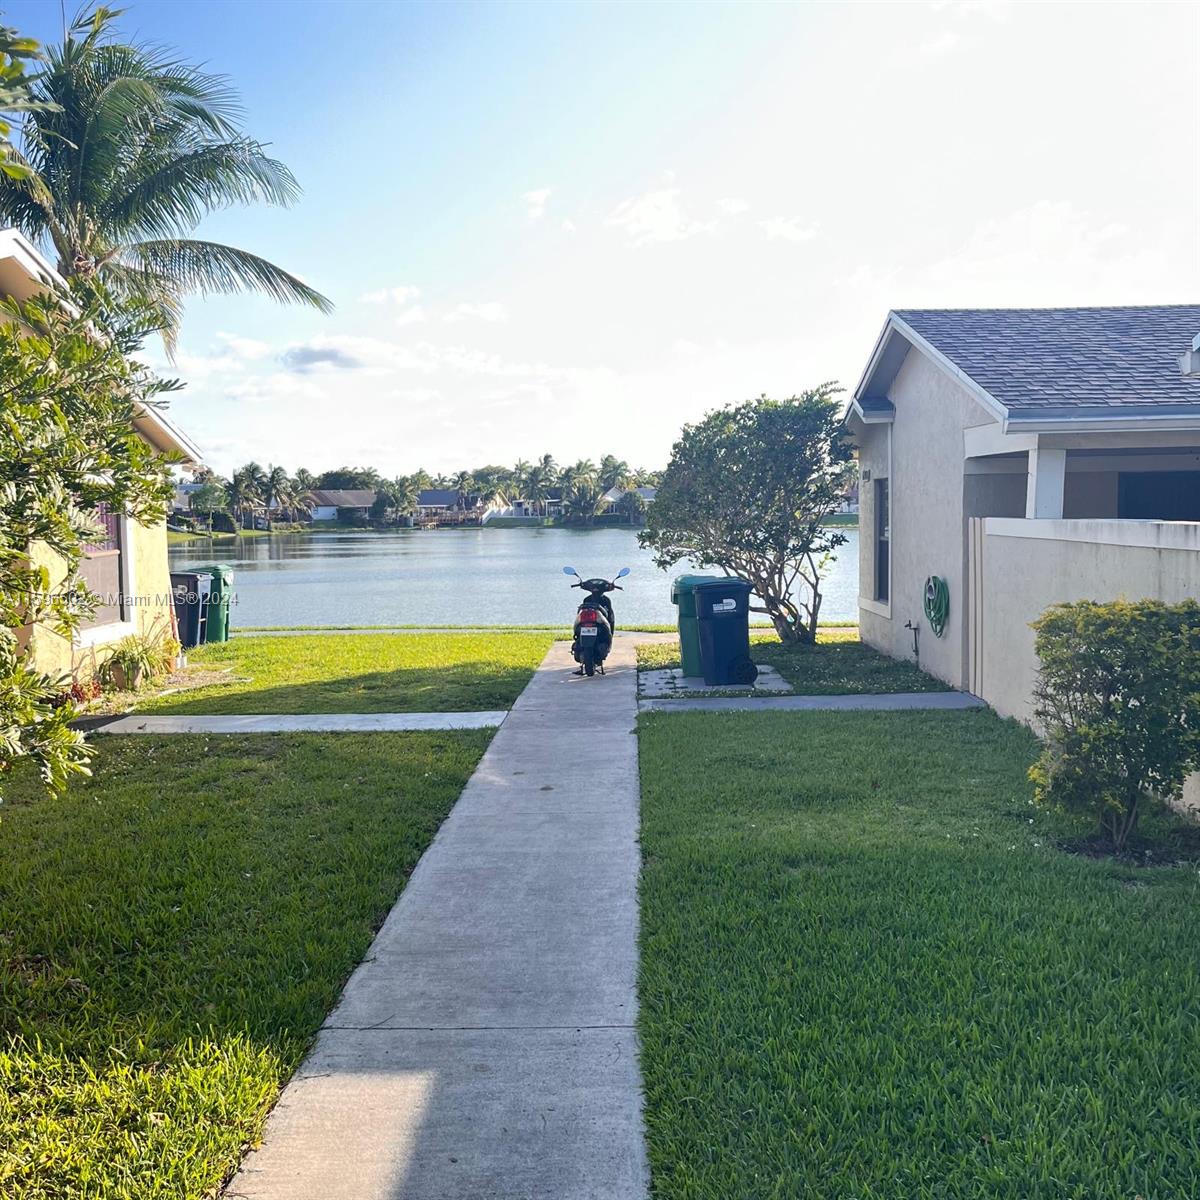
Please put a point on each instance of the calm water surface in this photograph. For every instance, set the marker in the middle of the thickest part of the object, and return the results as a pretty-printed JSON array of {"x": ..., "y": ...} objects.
[{"x": 455, "y": 577}]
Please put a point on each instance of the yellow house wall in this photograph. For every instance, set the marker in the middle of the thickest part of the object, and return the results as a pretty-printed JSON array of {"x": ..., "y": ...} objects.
[{"x": 149, "y": 612}]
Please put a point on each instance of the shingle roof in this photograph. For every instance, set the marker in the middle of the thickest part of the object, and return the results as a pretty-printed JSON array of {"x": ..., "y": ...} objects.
[
  {"x": 1069, "y": 362},
  {"x": 436, "y": 496},
  {"x": 343, "y": 497}
]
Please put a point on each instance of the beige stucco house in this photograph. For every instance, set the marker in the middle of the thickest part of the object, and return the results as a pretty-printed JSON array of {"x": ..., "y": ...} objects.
[
  {"x": 1026, "y": 457},
  {"x": 128, "y": 567}
]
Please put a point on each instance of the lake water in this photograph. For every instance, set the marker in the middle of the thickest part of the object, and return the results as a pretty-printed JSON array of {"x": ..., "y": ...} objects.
[{"x": 456, "y": 577}]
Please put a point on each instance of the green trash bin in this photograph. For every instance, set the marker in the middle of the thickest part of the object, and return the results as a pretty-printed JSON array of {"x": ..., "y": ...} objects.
[
  {"x": 220, "y": 596},
  {"x": 683, "y": 596}
]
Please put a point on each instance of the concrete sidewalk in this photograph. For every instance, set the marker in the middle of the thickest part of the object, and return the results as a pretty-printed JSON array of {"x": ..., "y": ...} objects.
[{"x": 485, "y": 1048}]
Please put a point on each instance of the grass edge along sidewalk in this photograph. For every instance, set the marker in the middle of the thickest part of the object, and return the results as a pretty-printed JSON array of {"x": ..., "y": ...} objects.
[
  {"x": 174, "y": 931},
  {"x": 869, "y": 969}
]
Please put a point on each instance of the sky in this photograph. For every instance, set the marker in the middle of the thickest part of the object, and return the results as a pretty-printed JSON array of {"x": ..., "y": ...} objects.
[{"x": 571, "y": 228}]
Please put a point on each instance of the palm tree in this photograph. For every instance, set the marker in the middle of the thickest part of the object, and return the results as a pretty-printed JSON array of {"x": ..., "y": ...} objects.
[
  {"x": 406, "y": 494},
  {"x": 245, "y": 490},
  {"x": 614, "y": 472},
  {"x": 277, "y": 488},
  {"x": 304, "y": 481},
  {"x": 631, "y": 506},
  {"x": 462, "y": 484},
  {"x": 582, "y": 472},
  {"x": 584, "y": 501},
  {"x": 537, "y": 483},
  {"x": 549, "y": 468},
  {"x": 137, "y": 149}
]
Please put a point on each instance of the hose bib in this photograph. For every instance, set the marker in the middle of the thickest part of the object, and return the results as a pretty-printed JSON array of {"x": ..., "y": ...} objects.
[{"x": 937, "y": 604}]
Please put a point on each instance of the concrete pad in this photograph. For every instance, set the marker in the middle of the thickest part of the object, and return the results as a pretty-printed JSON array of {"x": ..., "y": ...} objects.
[
  {"x": 485, "y": 1047},
  {"x": 670, "y": 681},
  {"x": 893, "y": 702},
  {"x": 436, "y": 1115},
  {"x": 304, "y": 723}
]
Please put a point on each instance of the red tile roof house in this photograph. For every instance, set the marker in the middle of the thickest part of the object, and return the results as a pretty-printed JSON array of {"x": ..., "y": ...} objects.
[{"x": 1025, "y": 457}]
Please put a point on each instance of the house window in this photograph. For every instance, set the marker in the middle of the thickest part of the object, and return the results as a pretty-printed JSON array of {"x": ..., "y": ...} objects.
[
  {"x": 102, "y": 571},
  {"x": 883, "y": 518}
]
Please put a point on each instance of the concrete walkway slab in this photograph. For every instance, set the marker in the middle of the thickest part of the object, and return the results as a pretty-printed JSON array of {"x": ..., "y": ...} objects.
[
  {"x": 304, "y": 723},
  {"x": 486, "y": 1047},
  {"x": 883, "y": 702}
]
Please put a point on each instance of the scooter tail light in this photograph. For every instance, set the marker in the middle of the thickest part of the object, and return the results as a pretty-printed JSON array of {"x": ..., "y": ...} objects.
[{"x": 587, "y": 617}]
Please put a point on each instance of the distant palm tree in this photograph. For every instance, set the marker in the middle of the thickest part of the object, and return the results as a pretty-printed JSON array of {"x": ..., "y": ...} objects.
[
  {"x": 406, "y": 494},
  {"x": 245, "y": 491},
  {"x": 631, "y": 506},
  {"x": 549, "y": 468},
  {"x": 277, "y": 488},
  {"x": 422, "y": 479},
  {"x": 462, "y": 484},
  {"x": 304, "y": 481},
  {"x": 137, "y": 149},
  {"x": 582, "y": 472},
  {"x": 519, "y": 471},
  {"x": 583, "y": 501},
  {"x": 537, "y": 484},
  {"x": 614, "y": 472}
]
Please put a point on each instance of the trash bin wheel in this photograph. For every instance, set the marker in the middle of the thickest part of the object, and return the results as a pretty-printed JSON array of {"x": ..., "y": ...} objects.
[{"x": 744, "y": 671}]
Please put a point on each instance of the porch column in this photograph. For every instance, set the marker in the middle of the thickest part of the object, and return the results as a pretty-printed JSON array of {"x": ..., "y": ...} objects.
[{"x": 1044, "y": 488}]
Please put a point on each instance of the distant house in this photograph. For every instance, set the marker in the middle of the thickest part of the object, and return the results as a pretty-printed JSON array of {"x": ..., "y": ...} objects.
[
  {"x": 1024, "y": 457},
  {"x": 432, "y": 502},
  {"x": 613, "y": 496},
  {"x": 355, "y": 502},
  {"x": 182, "y": 502}
]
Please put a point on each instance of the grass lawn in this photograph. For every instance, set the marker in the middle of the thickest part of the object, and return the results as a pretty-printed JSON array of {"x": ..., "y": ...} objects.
[
  {"x": 434, "y": 672},
  {"x": 869, "y": 972},
  {"x": 838, "y": 665},
  {"x": 172, "y": 933}
]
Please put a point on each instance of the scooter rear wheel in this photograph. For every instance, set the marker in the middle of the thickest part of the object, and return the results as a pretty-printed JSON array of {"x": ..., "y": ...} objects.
[{"x": 589, "y": 662}]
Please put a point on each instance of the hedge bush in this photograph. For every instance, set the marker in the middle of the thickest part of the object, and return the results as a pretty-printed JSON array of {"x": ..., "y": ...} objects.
[{"x": 1118, "y": 695}]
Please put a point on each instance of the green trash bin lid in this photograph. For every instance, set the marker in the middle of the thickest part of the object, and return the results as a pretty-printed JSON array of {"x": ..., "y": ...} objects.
[{"x": 683, "y": 592}]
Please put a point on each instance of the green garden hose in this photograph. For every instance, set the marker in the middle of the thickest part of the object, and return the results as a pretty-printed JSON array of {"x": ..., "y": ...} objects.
[{"x": 937, "y": 604}]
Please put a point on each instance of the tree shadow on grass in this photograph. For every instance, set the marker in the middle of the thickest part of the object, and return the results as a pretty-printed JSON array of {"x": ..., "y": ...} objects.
[
  {"x": 477, "y": 685},
  {"x": 173, "y": 931}
]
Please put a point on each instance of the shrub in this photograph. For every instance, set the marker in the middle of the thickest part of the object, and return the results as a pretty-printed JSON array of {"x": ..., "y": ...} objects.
[{"x": 1118, "y": 694}]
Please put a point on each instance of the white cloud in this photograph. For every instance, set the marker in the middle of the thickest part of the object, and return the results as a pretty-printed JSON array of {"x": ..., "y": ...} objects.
[
  {"x": 405, "y": 294},
  {"x": 788, "y": 229},
  {"x": 535, "y": 202},
  {"x": 569, "y": 226},
  {"x": 490, "y": 311},
  {"x": 412, "y": 315},
  {"x": 940, "y": 44},
  {"x": 733, "y": 206},
  {"x": 656, "y": 216},
  {"x": 243, "y": 347}
]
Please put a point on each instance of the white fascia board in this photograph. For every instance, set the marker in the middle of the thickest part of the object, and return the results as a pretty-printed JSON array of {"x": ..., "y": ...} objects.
[
  {"x": 873, "y": 361},
  {"x": 14, "y": 244},
  {"x": 167, "y": 435},
  {"x": 1158, "y": 422},
  {"x": 979, "y": 441}
]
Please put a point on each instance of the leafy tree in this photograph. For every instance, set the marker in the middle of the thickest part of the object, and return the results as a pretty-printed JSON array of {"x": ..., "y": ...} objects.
[
  {"x": 631, "y": 506},
  {"x": 277, "y": 488},
  {"x": 304, "y": 481},
  {"x": 1118, "y": 695},
  {"x": 245, "y": 491},
  {"x": 16, "y": 95},
  {"x": 537, "y": 486},
  {"x": 350, "y": 479},
  {"x": 748, "y": 489},
  {"x": 212, "y": 496},
  {"x": 584, "y": 500},
  {"x": 126, "y": 152},
  {"x": 405, "y": 491},
  {"x": 68, "y": 395}
]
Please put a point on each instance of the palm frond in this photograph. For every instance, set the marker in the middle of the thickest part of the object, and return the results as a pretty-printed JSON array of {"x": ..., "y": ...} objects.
[{"x": 204, "y": 267}]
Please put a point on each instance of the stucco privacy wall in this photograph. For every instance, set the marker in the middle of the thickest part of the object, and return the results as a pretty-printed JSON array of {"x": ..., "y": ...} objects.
[
  {"x": 149, "y": 615},
  {"x": 927, "y": 534},
  {"x": 1019, "y": 575}
]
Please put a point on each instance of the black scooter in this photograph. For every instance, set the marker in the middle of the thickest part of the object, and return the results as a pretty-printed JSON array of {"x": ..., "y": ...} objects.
[{"x": 594, "y": 623}]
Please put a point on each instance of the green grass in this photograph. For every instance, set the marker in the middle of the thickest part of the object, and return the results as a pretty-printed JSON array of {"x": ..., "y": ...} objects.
[
  {"x": 172, "y": 933},
  {"x": 839, "y": 664},
  {"x": 869, "y": 972},
  {"x": 435, "y": 672}
]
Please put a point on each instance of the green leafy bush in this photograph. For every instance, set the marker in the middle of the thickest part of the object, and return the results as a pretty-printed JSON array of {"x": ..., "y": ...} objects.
[{"x": 1118, "y": 695}]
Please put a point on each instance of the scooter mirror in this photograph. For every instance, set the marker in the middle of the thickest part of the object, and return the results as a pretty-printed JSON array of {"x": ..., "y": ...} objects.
[
  {"x": 570, "y": 571},
  {"x": 622, "y": 572}
]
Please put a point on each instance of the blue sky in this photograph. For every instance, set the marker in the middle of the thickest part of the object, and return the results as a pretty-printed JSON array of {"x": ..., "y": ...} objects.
[{"x": 570, "y": 228}]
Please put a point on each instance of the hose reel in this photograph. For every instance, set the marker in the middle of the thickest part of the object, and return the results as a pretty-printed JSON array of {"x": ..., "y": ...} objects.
[{"x": 937, "y": 604}]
